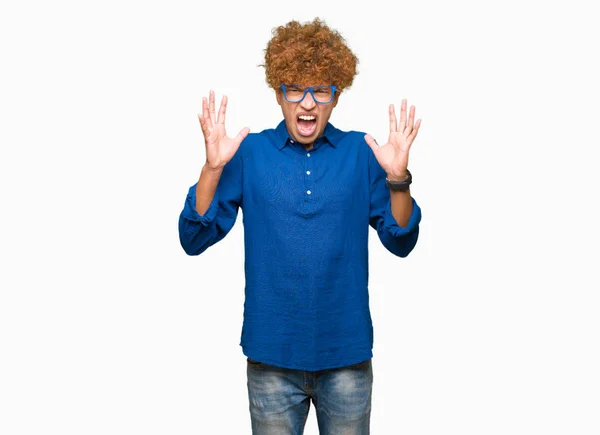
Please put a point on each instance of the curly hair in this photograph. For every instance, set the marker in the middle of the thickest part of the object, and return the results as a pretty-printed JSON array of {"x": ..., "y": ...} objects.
[{"x": 309, "y": 54}]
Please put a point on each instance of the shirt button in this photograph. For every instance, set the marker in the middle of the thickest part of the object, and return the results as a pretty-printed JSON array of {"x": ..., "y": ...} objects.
[
  {"x": 309, "y": 192},
  {"x": 291, "y": 141},
  {"x": 308, "y": 172},
  {"x": 307, "y": 154}
]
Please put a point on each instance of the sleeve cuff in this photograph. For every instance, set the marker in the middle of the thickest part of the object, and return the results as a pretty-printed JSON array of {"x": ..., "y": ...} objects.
[
  {"x": 190, "y": 213},
  {"x": 392, "y": 226}
]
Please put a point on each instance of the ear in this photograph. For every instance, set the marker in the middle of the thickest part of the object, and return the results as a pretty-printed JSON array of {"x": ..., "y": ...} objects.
[{"x": 279, "y": 95}]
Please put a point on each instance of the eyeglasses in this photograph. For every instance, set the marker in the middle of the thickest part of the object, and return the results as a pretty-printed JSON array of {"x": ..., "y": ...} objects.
[{"x": 296, "y": 93}]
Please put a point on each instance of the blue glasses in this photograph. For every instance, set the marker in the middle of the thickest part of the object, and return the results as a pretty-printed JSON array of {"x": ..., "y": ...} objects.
[{"x": 296, "y": 93}]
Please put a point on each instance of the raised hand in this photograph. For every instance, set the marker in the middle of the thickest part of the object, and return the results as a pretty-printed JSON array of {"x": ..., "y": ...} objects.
[
  {"x": 393, "y": 156},
  {"x": 220, "y": 148}
]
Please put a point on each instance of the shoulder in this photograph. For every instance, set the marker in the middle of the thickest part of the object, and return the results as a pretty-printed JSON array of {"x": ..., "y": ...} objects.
[
  {"x": 344, "y": 135},
  {"x": 253, "y": 147},
  {"x": 261, "y": 136},
  {"x": 352, "y": 140},
  {"x": 255, "y": 140}
]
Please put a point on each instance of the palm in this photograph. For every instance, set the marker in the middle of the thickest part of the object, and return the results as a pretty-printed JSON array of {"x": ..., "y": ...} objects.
[
  {"x": 220, "y": 148},
  {"x": 393, "y": 156}
]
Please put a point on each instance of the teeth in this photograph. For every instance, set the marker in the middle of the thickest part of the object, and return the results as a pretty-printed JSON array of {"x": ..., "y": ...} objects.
[{"x": 307, "y": 118}]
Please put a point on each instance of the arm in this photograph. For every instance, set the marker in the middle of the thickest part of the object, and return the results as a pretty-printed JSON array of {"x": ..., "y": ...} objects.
[
  {"x": 198, "y": 231},
  {"x": 401, "y": 205},
  {"x": 206, "y": 187},
  {"x": 395, "y": 215},
  {"x": 212, "y": 204}
]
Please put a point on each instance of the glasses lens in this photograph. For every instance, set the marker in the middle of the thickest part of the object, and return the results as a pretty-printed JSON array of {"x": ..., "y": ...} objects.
[
  {"x": 323, "y": 94},
  {"x": 294, "y": 93}
]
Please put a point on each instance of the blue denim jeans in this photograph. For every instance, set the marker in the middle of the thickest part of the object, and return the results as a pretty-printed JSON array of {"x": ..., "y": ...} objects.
[{"x": 280, "y": 399}]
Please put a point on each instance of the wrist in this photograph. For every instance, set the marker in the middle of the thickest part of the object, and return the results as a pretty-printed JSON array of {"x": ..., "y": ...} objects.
[
  {"x": 399, "y": 176},
  {"x": 212, "y": 170},
  {"x": 211, "y": 173}
]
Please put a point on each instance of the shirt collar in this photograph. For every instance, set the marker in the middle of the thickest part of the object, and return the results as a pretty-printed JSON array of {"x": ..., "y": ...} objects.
[{"x": 331, "y": 134}]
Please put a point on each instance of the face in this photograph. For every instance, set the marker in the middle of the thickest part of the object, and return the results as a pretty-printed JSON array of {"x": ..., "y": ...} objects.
[{"x": 303, "y": 131}]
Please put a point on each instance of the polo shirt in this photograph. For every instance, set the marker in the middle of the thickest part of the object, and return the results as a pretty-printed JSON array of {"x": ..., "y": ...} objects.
[{"x": 306, "y": 218}]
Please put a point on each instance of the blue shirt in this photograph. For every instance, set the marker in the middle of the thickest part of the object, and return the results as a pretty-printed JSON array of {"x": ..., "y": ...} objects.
[{"x": 306, "y": 217}]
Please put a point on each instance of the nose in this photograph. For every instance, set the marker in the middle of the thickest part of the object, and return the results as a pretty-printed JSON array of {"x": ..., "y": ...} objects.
[{"x": 308, "y": 102}]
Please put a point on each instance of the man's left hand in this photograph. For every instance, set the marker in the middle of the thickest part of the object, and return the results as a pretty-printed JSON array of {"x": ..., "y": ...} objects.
[{"x": 393, "y": 156}]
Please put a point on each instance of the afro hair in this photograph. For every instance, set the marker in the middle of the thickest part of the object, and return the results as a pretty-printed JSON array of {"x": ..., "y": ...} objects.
[{"x": 309, "y": 54}]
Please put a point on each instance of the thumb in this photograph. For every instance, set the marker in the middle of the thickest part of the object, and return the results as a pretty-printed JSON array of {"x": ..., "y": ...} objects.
[
  {"x": 242, "y": 135},
  {"x": 371, "y": 142}
]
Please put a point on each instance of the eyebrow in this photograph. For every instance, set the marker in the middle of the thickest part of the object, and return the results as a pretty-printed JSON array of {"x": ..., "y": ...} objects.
[{"x": 314, "y": 86}]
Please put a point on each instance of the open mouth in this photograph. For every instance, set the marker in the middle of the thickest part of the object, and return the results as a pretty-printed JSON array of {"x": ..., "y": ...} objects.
[{"x": 307, "y": 125}]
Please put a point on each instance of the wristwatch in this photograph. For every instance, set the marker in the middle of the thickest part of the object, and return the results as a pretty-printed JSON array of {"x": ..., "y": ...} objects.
[{"x": 399, "y": 186}]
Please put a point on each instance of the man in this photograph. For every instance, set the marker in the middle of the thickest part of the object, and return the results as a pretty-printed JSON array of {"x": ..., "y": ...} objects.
[{"x": 309, "y": 193}]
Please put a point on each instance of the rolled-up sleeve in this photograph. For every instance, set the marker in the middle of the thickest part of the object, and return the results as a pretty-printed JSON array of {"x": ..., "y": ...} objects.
[
  {"x": 398, "y": 240},
  {"x": 199, "y": 232}
]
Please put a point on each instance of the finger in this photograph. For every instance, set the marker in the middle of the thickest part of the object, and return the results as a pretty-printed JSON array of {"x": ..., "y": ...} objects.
[
  {"x": 222, "y": 109},
  {"x": 402, "y": 125},
  {"x": 393, "y": 120},
  {"x": 211, "y": 107},
  {"x": 203, "y": 125},
  {"x": 206, "y": 130},
  {"x": 205, "y": 114},
  {"x": 242, "y": 135},
  {"x": 411, "y": 120},
  {"x": 371, "y": 142},
  {"x": 413, "y": 134}
]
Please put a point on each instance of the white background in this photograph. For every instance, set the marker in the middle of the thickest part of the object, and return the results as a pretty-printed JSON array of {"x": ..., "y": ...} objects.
[{"x": 490, "y": 326}]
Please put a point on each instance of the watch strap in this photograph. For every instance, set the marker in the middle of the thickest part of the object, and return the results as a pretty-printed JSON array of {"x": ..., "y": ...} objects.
[{"x": 399, "y": 186}]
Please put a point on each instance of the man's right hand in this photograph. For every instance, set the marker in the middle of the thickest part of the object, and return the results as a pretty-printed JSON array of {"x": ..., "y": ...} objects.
[{"x": 220, "y": 148}]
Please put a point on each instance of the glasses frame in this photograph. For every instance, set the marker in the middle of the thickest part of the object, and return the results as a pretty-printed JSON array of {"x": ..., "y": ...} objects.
[{"x": 309, "y": 89}]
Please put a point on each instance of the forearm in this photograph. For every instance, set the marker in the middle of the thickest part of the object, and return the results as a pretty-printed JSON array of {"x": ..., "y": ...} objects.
[
  {"x": 402, "y": 206},
  {"x": 206, "y": 188},
  {"x": 401, "y": 201}
]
